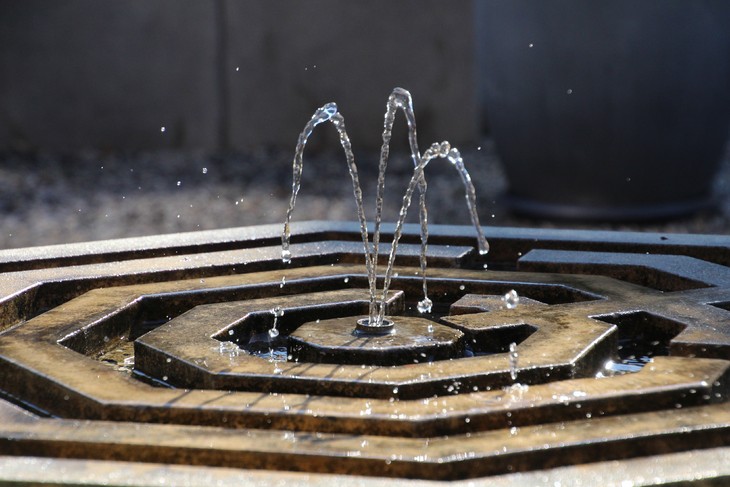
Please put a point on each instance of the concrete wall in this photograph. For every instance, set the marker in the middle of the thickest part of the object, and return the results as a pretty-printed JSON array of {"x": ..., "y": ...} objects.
[{"x": 225, "y": 74}]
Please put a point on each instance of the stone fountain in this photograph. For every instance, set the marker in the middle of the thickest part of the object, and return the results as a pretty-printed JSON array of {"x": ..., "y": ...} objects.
[{"x": 216, "y": 357}]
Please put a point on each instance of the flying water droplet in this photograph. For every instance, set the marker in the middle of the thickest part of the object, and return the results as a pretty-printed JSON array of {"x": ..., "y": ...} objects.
[
  {"x": 513, "y": 357},
  {"x": 425, "y": 305},
  {"x": 283, "y": 282},
  {"x": 511, "y": 299},
  {"x": 278, "y": 313},
  {"x": 286, "y": 256}
]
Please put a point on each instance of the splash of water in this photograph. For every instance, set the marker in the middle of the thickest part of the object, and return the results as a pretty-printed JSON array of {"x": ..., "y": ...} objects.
[{"x": 399, "y": 99}]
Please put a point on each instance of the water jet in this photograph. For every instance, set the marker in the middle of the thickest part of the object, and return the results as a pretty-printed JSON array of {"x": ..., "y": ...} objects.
[{"x": 399, "y": 99}]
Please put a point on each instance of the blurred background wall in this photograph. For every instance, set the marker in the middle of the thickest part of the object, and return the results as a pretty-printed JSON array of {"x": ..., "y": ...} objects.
[
  {"x": 226, "y": 74},
  {"x": 137, "y": 117}
]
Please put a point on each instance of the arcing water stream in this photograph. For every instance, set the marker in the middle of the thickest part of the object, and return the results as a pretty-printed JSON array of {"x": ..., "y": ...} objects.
[{"x": 399, "y": 99}]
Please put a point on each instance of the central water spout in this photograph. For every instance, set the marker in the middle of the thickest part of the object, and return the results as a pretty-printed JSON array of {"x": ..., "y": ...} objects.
[{"x": 376, "y": 322}]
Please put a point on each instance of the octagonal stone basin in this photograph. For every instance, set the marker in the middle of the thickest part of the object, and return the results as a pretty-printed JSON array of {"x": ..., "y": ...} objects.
[{"x": 101, "y": 341}]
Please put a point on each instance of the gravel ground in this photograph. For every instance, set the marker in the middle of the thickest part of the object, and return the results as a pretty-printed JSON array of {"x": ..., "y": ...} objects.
[{"x": 49, "y": 199}]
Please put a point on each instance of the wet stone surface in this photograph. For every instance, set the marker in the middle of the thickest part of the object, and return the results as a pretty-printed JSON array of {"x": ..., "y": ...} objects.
[{"x": 535, "y": 385}]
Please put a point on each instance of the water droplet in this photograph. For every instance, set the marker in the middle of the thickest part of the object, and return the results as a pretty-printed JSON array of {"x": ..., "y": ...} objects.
[
  {"x": 425, "y": 305},
  {"x": 569, "y": 91},
  {"x": 462, "y": 287},
  {"x": 511, "y": 299},
  {"x": 179, "y": 183},
  {"x": 395, "y": 390},
  {"x": 237, "y": 68},
  {"x": 286, "y": 256},
  {"x": 168, "y": 360},
  {"x": 273, "y": 333},
  {"x": 277, "y": 312},
  {"x": 513, "y": 358},
  {"x": 283, "y": 282},
  {"x": 329, "y": 110},
  {"x": 205, "y": 170},
  {"x": 164, "y": 377},
  {"x": 530, "y": 44},
  {"x": 162, "y": 129},
  {"x": 347, "y": 279}
]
